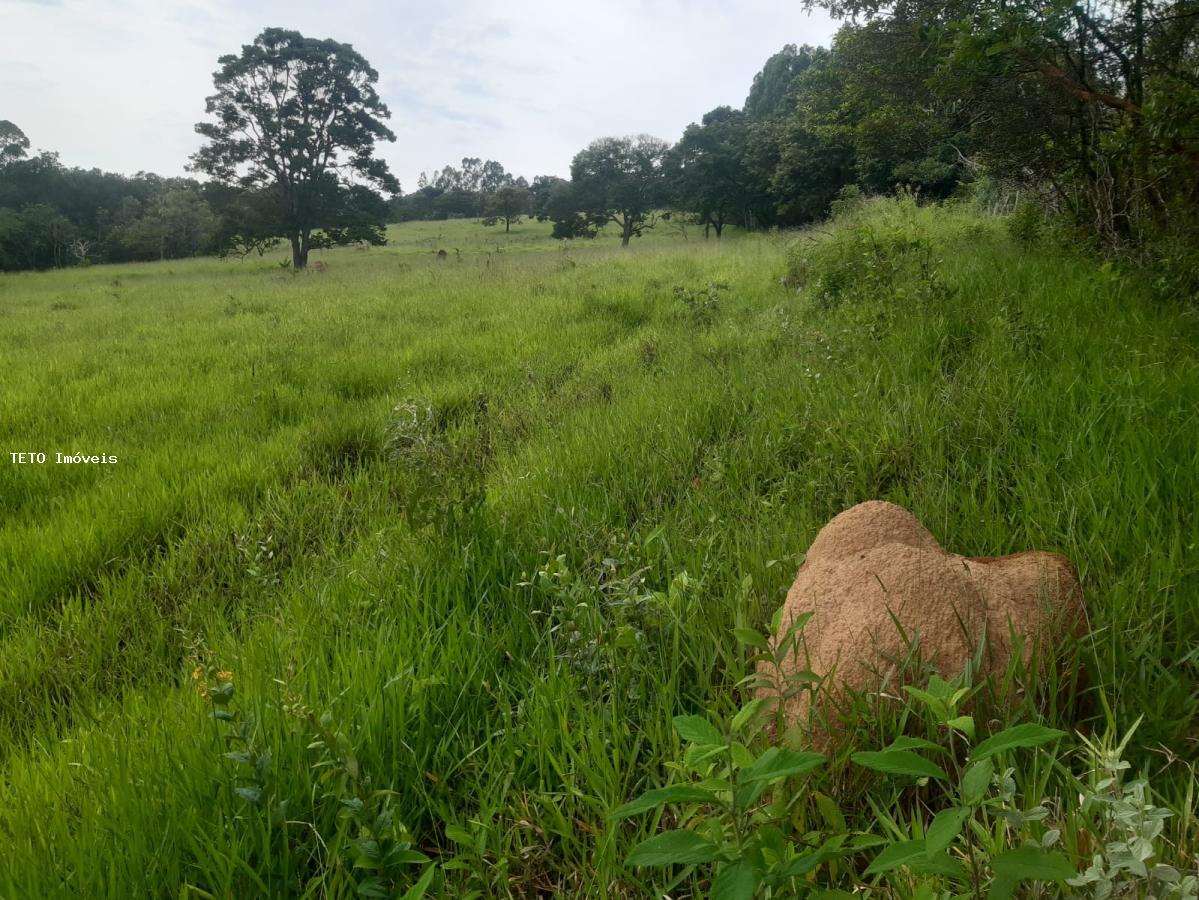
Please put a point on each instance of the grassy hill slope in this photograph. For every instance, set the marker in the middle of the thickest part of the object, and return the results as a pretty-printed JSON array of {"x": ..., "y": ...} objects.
[{"x": 478, "y": 528}]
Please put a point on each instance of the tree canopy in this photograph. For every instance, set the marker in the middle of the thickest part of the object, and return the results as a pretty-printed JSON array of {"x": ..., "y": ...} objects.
[
  {"x": 620, "y": 180},
  {"x": 1090, "y": 109},
  {"x": 298, "y": 117},
  {"x": 13, "y": 142}
]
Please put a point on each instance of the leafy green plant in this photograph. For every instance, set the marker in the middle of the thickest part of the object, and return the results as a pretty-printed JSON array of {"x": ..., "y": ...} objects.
[
  {"x": 1128, "y": 830},
  {"x": 982, "y": 841},
  {"x": 735, "y": 806},
  {"x": 370, "y": 835},
  {"x": 732, "y": 810},
  {"x": 866, "y": 261},
  {"x": 701, "y": 303},
  {"x": 374, "y": 846},
  {"x": 603, "y": 618},
  {"x": 1027, "y": 222},
  {"x": 443, "y": 468}
]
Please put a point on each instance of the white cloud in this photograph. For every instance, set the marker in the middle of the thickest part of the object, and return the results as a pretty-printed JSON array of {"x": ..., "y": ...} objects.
[{"x": 120, "y": 84}]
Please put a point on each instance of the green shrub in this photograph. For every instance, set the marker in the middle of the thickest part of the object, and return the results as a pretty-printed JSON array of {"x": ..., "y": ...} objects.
[
  {"x": 988, "y": 813},
  {"x": 1027, "y": 222},
  {"x": 867, "y": 261}
]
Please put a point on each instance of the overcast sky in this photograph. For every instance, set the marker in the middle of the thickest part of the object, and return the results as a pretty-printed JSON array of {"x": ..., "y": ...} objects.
[{"x": 119, "y": 84}]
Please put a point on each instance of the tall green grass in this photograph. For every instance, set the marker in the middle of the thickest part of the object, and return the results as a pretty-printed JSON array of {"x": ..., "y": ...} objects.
[{"x": 498, "y": 514}]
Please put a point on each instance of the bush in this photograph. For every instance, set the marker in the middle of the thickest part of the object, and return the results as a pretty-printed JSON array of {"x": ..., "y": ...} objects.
[
  {"x": 978, "y": 817},
  {"x": 863, "y": 262},
  {"x": 1026, "y": 223}
]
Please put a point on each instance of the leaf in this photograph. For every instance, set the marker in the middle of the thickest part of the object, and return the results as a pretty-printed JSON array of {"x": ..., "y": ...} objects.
[
  {"x": 749, "y": 793},
  {"x": 697, "y": 730},
  {"x": 1026, "y": 863},
  {"x": 670, "y": 848},
  {"x": 914, "y": 743},
  {"x": 866, "y": 842},
  {"x": 830, "y": 812},
  {"x": 1027, "y": 735},
  {"x": 1001, "y": 889},
  {"x": 799, "y": 621},
  {"x": 735, "y": 881},
  {"x": 681, "y": 793},
  {"x": 459, "y": 835},
  {"x": 747, "y": 714},
  {"x": 976, "y": 781},
  {"x": 372, "y": 887},
  {"x": 934, "y": 703},
  {"x": 419, "y": 889},
  {"x": 939, "y": 864},
  {"x": 964, "y": 724},
  {"x": 698, "y": 754},
  {"x": 898, "y": 854},
  {"x": 262, "y": 765},
  {"x": 368, "y": 847},
  {"x": 222, "y": 694},
  {"x": 750, "y": 638},
  {"x": 740, "y": 754},
  {"x": 775, "y": 764},
  {"x": 249, "y": 794},
  {"x": 899, "y": 762},
  {"x": 945, "y": 827},
  {"x": 407, "y": 857},
  {"x": 802, "y": 865}
]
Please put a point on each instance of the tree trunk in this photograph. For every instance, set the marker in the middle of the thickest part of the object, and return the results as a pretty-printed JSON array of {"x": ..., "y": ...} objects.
[
  {"x": 719, "y": 226},
  {"x": 507, "y": 225},
  {"x": 299, "y": 251},
  {"x": 626, "y": 231}
]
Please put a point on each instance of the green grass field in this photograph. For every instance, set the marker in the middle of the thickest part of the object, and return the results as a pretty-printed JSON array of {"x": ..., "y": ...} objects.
[{"x": 486, "y": 524}]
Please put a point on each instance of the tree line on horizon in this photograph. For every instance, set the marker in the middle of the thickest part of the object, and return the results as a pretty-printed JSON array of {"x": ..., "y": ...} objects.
[{"x": 1089, "y": 110}]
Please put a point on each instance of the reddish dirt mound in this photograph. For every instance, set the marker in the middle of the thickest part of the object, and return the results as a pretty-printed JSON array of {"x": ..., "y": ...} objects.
[{"x": 875, "y": 565}]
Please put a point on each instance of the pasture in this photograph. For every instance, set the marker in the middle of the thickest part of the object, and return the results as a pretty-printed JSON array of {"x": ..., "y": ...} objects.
[{"x": 483, "y": 525}]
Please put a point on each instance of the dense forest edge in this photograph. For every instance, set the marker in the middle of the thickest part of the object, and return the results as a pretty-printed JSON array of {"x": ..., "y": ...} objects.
[{"x": 1083, "y": 115}]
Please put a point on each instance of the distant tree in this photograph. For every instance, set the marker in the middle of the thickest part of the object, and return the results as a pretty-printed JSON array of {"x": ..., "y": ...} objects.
[
  {"x": 708, "y": 172},
  {"x": 13, "y": 142},
  {"x": 1091, "y": 104},
  {"x": 507, "y": 205},
  {"x": 448, "y": 179},
  {"x": 178, "y": 223},
  {"x": 456, "y": 203},
  {"x": 471, "y": 174},
  {"x": 493, "y": 177},
  {"x": 245, "y": 220},
  {"x": 808, "y": 151},
  {"x": 773, "y": 85},
  {"x": 620, "y": 179},
  {"x": 43, "y": 238},
  {"x": 353, "y": 215},
  {"x": 420, "y": 204},
  {"x": 291, "y": 113},
  {"x": 540, "y": 192}
]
